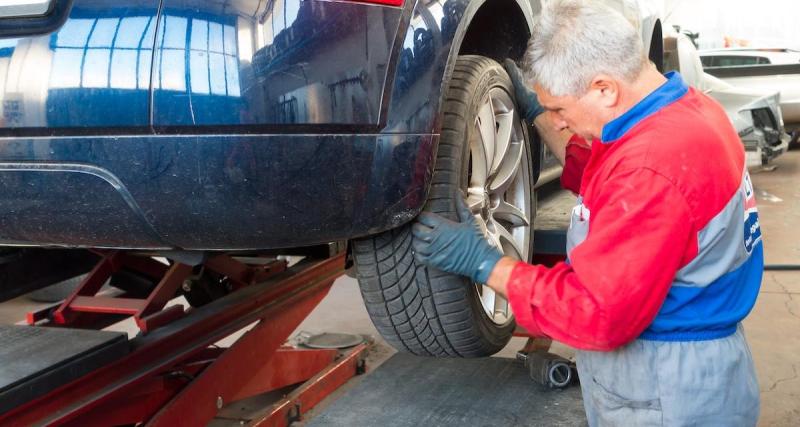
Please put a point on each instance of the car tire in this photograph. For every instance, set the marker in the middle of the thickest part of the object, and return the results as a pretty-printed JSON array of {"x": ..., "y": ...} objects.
[{"x": 428, "y": 312}]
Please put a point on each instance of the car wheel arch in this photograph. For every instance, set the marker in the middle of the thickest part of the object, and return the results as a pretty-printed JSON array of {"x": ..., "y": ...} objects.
[
  {"x": 403, "y": 110},
  {"x": 473, "y": 11},
  {"x": 449, "y": 47}
]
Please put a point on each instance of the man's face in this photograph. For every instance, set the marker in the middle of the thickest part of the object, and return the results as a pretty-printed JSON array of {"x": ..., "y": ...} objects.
[{"x": 584, "y": 115}]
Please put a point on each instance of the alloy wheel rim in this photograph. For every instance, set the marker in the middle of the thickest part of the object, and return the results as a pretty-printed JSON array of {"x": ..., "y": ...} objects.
[{"x": 499, "y": 188}]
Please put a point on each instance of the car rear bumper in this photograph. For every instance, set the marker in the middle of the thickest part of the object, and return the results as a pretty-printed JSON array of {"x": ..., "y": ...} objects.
[
  {"x": 762, "y": 154},
  {"x": 207, "y": 192}
]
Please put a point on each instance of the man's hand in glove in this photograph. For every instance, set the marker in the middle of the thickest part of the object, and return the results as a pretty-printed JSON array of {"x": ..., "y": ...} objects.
[
  {"x": 455, "y": 247},
  {"x": 526, "y": 97}
]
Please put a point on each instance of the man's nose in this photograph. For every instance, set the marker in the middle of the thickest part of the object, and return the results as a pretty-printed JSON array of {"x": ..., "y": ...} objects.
[{"x": 559, "y": 123}]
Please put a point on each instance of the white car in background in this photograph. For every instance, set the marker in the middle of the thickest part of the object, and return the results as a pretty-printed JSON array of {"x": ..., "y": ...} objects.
[
  {"x": 742, "y": 57},
  {"x": 755, "y": 113},
  {"x": 762, "y": 69}
]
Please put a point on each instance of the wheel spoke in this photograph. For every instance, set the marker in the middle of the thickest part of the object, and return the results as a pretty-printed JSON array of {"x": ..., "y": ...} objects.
[
  {"x": 476, "y": 198},
  {"x": 500, "y": 306},
  {"x": 507, "y": 170},
  {"x": 486, "y": 127},
  {"x": 506, "y": 241},
  {"x": 489, "y": 297},
  {"x": 492, "y": 235},
  {"x": 505, "y": 126},
  {"x": 509, "y": 213},
  {"x": 479, "y": 172}
]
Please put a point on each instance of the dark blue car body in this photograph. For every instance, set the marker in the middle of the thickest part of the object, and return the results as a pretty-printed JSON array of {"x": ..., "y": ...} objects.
[{"x": 199, "y": 124}]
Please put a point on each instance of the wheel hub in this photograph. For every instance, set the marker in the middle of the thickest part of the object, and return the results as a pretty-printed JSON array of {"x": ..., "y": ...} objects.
[{"x": 486, "y": 210}]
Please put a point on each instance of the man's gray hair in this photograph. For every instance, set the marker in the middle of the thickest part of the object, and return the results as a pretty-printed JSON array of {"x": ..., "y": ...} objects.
[{"x": 573, "y": 41}]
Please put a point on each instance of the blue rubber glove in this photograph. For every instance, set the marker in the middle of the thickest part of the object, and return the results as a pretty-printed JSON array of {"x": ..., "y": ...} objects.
[
  {"x": 455, "y": 247},
  {"x": 527, "y": 101}
]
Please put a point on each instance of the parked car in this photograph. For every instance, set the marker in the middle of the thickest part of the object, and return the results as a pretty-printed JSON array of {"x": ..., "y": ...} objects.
[
  {"x": 191, "y": 125},
  {"x": 755, "y": 114},
  {"x": 762, "y": 70},
  {"x": 735, "y": 57}
]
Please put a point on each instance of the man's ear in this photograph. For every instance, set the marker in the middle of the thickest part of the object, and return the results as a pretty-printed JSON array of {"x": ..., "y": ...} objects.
[{"x": 606, "y": 90}]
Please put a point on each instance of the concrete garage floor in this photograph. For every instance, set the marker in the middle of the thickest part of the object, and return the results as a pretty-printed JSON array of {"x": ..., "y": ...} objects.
[{"x": 773, "y": 328}]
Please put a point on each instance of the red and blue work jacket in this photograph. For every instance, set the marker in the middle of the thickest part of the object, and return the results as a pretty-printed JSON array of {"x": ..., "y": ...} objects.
[{"x": 664, "y": 243}]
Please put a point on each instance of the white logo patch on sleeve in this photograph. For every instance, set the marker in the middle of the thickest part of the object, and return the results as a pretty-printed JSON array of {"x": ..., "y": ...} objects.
[{"x": 752, "y": 228}]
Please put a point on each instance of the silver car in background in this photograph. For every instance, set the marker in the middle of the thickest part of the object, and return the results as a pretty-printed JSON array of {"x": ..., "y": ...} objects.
[
  {"x": 761, "y": 69},
  {"x": 741, "y": 57},
  {"x": 755, "y": 113}
]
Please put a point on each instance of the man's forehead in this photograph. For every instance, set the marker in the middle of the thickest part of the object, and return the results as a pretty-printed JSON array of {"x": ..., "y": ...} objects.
[
  {"x": 548, "y": 104},
  {"x": 546, "y": 100}
]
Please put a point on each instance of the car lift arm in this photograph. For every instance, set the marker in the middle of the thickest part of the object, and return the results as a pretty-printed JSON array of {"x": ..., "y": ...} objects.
[{"x": 174, "y": 375}]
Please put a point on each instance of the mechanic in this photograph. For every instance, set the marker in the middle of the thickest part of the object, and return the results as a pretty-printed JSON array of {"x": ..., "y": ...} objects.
[{"x": 654, "y": 290}]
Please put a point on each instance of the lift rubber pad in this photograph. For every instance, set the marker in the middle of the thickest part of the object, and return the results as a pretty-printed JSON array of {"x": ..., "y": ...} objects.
[
  {"x": 414, "y": 391},
  {"x": 35, "y": 360}
]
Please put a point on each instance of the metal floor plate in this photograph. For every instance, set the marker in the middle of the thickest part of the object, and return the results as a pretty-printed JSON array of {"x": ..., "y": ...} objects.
[
  {"x": 333, "y": 340},
  {"x": 34, "y": 360},
  {"x": 414, "y": 391}
]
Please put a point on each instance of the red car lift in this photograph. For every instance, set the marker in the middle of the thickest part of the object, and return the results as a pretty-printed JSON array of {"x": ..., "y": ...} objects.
[{"x": 172, "y": 373}]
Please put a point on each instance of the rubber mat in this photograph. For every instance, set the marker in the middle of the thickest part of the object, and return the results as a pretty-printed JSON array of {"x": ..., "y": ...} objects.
[
  {"x": 414, "y": 391},
  {"x": 35, "y": 360}
]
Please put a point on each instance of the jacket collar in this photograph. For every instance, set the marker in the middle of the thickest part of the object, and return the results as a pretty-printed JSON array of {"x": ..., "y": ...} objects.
[{"x": 666, "y": 94}]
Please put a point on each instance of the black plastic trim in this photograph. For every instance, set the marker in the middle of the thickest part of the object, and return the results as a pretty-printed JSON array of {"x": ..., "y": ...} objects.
[
  {"x": 74, "y": 131},
  {"x": 753, "y": 70},
  {"x": 36, "y": 25}
]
